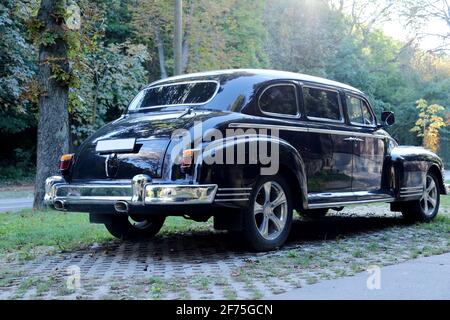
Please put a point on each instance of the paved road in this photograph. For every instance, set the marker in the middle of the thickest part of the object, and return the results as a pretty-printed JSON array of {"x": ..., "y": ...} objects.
[
  {"x": 15, "y": 204},
  {"x": 424, "y": 278},
  {"x": 447, "y": 175}
]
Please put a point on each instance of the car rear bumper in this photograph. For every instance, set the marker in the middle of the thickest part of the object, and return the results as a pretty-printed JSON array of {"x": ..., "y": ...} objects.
[{"x": 124, "y": 195}]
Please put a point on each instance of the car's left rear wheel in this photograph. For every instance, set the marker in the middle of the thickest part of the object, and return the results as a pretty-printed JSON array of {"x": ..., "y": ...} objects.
[
  {"x": 128, "y": 228},
  {"x": 268, "y": 219}
]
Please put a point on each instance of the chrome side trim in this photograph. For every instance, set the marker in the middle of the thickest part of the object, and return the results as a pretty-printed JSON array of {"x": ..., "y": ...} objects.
[
  {"x": 267, "y": 126},
  {"x": 232, "y": 194},
  {"x": 345, "y": 203},
  {"x": 411, "y": 191},
  {"x": 411, "y": 188},
  {"x": 411, "y": 195},
  {"x": 347, "y": 133},
  {"x": 234, "y": 189},
  {"x": 306, "y": 129},
  {"x": 231, "y": 200}
]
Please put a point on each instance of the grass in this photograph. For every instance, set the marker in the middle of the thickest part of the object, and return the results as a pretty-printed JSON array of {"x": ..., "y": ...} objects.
[
  {"x": 28, "y": 233},
  {"x": 298, "y": 265}
]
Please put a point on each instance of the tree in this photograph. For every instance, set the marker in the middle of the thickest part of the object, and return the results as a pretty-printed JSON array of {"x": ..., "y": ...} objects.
[
  {"x": 418, "y": 13},
  {"x": 178, "y": 38},
  {"x": 17, "y": 68},
  {"x": 53, "y": 125},
  {"x": 428, "y": 124}
]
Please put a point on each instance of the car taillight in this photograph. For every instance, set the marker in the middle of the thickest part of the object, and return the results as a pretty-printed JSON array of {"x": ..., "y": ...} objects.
[
  {"x": 187, "y": 161},
  {"x": 65, "y": 163}
]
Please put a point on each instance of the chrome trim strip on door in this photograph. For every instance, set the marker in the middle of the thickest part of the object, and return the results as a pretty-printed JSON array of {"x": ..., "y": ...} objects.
[
  {"x": 232, "y": 194},
  {"x": 345, "y": 203},
  {"x": 234, "y": 189},
  {"x": 231, "y": 200},
  {"x": 305, "y": 129},
  {"x": 412, "y": 191},
  {"x": 266, "y": 126},
  {"x": 411, "y": 188},
  {"x": 411, "y": 195}
]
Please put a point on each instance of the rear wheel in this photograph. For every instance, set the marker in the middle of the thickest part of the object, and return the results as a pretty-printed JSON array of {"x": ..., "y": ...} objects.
[
  {"x": 268, "y": 219},
  {"x": 427, "y": 207},
  {"x": 126, "y": 228}
]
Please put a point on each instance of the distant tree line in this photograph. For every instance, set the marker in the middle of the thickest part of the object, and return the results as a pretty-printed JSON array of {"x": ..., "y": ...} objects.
[{"x": 121, "y": 45}]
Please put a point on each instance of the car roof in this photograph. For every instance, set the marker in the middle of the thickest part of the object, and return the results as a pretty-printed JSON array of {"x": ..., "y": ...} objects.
[{"x": 261, "y": 75}]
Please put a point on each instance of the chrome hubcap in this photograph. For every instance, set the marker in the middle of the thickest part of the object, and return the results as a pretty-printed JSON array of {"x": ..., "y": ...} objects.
[
  {"x": 270, "y": 210},
  {"x": 428, "y": 201}
]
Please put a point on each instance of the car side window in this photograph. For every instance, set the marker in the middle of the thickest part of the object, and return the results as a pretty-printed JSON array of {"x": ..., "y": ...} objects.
[
  {"x": 367, "y": 115},
  {"x": 279, "y": 99},
  {"x": 322, "y": 103},
  {"x": 354, "y": 109},
  {"x": 358, "y": 111}
]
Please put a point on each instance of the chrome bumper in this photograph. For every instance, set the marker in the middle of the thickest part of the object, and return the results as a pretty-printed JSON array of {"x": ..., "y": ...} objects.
[{"x": 138, "y": 192}]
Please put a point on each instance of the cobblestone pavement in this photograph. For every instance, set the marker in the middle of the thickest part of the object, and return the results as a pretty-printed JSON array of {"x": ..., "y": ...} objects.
[{"x": 214, "y": 265}]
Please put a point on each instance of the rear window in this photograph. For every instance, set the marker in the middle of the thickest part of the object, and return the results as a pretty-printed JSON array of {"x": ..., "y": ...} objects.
[{"x": 186, "y": 93}]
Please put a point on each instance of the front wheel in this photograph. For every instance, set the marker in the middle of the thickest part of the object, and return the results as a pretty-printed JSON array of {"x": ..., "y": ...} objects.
[
  {"x": 268, "y": 219},
  {"x": 125, "y": 228},
  {"x": 427, "y": 207}
]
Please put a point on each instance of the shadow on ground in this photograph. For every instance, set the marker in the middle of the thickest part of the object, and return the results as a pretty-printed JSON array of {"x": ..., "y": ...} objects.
[{"x": 302, "y": 232}]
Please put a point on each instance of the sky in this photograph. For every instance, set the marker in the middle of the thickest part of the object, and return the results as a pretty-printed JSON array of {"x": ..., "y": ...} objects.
[{"x": 397, "y": 30}]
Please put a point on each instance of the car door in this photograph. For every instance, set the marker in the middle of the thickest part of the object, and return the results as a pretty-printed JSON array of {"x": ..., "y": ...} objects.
[
  {"x": 329, "y": 157},
  {"x": 368, "y": 146}
]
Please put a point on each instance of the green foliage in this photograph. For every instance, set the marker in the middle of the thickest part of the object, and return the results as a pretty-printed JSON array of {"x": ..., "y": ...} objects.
[
  {"x": 16, "y": 68},
  {"x": 114, "y": 53},
  {"x": 114, "y": 74}
]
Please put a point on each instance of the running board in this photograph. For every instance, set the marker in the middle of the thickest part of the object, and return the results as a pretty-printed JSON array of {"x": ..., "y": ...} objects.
[{"x": 346, "y": 203}]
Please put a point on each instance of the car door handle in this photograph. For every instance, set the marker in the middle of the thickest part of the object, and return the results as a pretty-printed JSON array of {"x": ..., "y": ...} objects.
[{"x": 353, "y": 139}]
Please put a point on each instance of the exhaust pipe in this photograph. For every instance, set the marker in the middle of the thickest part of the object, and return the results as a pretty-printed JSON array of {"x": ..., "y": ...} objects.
[
  {"x": 121, "y": 207},
  {"x": 60, "y": 205}
]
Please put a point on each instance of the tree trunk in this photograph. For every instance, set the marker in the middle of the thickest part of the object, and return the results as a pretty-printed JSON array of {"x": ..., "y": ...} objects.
[
  {"x": 53, "y": 126},
  {"x": 178, "y": 35},
  {"x": 161, "y": 54},
  {"x": 187, "y": 36}
]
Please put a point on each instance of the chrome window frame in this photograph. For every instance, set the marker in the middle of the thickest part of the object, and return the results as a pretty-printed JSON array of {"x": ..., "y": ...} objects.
[
  {"x": 281, "y": 115},
  {"x": 318, "y": 87},
  {"x": 374, "y": 124},
  {"x": 179, "y": 104}
]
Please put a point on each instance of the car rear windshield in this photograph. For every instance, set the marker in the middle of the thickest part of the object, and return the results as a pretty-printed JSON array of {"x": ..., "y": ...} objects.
[{"x": 186, "y": 93}]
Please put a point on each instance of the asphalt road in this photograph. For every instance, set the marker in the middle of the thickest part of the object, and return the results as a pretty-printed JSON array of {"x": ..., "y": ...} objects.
[
  {"x": 15, "y": 204},
  {"x": 424, "y": 278}
]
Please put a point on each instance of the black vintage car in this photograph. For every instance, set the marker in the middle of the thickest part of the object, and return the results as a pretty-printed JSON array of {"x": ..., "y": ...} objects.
[{"x": 269, "y": 142}]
